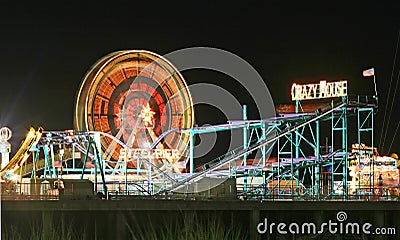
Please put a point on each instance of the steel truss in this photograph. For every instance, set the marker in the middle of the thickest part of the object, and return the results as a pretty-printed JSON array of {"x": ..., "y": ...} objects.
[
  {"x": 297, "y": 174},
  {"x": 365, "y": 135},
  {"x": 301, "y": 170}
]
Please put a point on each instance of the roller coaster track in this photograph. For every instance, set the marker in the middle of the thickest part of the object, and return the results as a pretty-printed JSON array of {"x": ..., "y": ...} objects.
[
  {"x": 36, "y": 138},
  {"x": 236, "y": 155},
  {"x": 212, "y": 128}
]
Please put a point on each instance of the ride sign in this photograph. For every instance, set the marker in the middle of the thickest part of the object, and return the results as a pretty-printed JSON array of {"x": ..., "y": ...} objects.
[{"x": 319, "y": 90}]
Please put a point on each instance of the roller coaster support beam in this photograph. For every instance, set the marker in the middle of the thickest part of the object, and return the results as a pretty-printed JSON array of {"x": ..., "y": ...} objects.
[
  {"x": 191, "y": 150},
  {"x": 93, "y": 142},
  {"x": 339, "y": 125},
  {"x": 197, "y": 176},
  {"x": 317, "y": 170},
  {"x": 263, "y": 137},
  {"x": 365, "y": 116},
  {"x": 47, "y": 165},
  {"x": 297, "y": 149},
  {"x": 53, "y": 161},
  {"x": 85, "y": 159},
  {"x": 245, "y": 133},
  {"x": 35, "y": 152}
]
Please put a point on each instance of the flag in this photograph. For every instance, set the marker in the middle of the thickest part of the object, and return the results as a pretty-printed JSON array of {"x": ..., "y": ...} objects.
[{"x": 368, "y": 72}]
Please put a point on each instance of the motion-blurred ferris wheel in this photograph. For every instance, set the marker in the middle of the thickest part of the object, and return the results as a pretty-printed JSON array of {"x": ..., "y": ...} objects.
[{"x": 135, "y": 95}]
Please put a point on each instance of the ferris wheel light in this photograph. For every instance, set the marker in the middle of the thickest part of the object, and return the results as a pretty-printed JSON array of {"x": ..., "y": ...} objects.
[{"x": 147, "y": 115}]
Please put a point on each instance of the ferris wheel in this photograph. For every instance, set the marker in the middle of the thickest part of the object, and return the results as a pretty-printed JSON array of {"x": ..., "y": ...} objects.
[{"x": 135, "y": 95}]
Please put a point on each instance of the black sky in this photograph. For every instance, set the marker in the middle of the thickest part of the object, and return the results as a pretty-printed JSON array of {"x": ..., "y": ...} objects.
[{"x": 46, "y": 49}]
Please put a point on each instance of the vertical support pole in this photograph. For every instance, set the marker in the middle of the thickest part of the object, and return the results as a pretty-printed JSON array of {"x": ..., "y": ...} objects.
[
  {"x": 73, "y": 156},
  {"x": 33, "y": 173},
  {"x": 317, "y": 158},
  {"x": 95, "y": 172},
  {"x": 372, "y": 137},
  {"x": 292, "y": 167},
  {"x": 366, "y": 126},
  {"x": 245, "y": 129},
  {"x": 245, "y": 133},
  {"x": 359, "y": 148},
  {"x": 333, "y": 156},
  {"x": 297, "y": 146},
  {"x": 46, "y": 161},
  {"x": 138, "y": 165},
  {"x": 97, "y": 150},
  {"x": 99, "y": 163},
  {"x": 35, "y": 153},
  {"x": 345, "y": 152},
  {"x": 297, "y": 135},
  {"x": 97, "y": 142},
  {"x": 150, "y": 179},
  {"x": 191, "y": 150},
  {"x": 263, "y": 137},
  {"x": 86, "y": 157},
  {"x": 340, "y": 126},
  {"x": 360, "y": 129},
  {"x": 126, "y": 171},
  {"x": 279, "y": 167},
  {"x": 285, "y": 179},
  {"x": 54, "y": 175}
]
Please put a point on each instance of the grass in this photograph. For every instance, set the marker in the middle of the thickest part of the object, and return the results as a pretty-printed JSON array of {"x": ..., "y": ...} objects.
[
  {"x": 208, "y": 228},
  {"x": 37, "y": 233},
  {"x": 182, "y": 226}
]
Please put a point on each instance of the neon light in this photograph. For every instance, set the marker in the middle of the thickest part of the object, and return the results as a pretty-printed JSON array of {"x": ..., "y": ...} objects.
[
  {"x": 170, "y": 154},
  {"x": 319, "y": 90}
]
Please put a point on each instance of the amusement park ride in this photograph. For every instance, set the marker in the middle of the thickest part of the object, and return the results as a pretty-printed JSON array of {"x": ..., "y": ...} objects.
[{"x": 134, "y": 135}]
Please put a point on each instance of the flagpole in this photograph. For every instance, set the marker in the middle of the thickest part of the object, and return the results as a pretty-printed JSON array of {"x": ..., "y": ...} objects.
[
  {"x": 368, "y": 73},
  {"x": 376, "y": 93}
]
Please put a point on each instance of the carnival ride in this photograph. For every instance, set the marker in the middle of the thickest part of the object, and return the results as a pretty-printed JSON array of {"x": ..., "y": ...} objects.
[{"x": 134, "y": 135}]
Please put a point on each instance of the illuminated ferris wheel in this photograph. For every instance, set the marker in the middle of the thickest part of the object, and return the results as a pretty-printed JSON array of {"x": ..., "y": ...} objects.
[{"x": 134, "y": 95}]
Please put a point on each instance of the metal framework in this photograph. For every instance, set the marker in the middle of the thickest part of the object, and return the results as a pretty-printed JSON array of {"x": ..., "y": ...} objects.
[
  {"x": 320, "y": 176},
  {"x": 136, "y": 100},
  {"x": 365, "y": 135},
  {"x": 301, "y": 171}
]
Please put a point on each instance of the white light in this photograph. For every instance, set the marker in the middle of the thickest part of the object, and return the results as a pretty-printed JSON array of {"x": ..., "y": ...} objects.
[{"x": 5, "y": 134}]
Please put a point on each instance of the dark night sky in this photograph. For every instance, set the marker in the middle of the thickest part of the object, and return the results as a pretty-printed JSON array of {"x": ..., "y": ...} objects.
[{"x": 46, "y": 49}]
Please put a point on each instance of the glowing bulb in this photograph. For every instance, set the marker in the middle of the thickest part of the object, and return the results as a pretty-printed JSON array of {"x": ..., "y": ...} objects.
[{"x": 147, "y": 115}]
